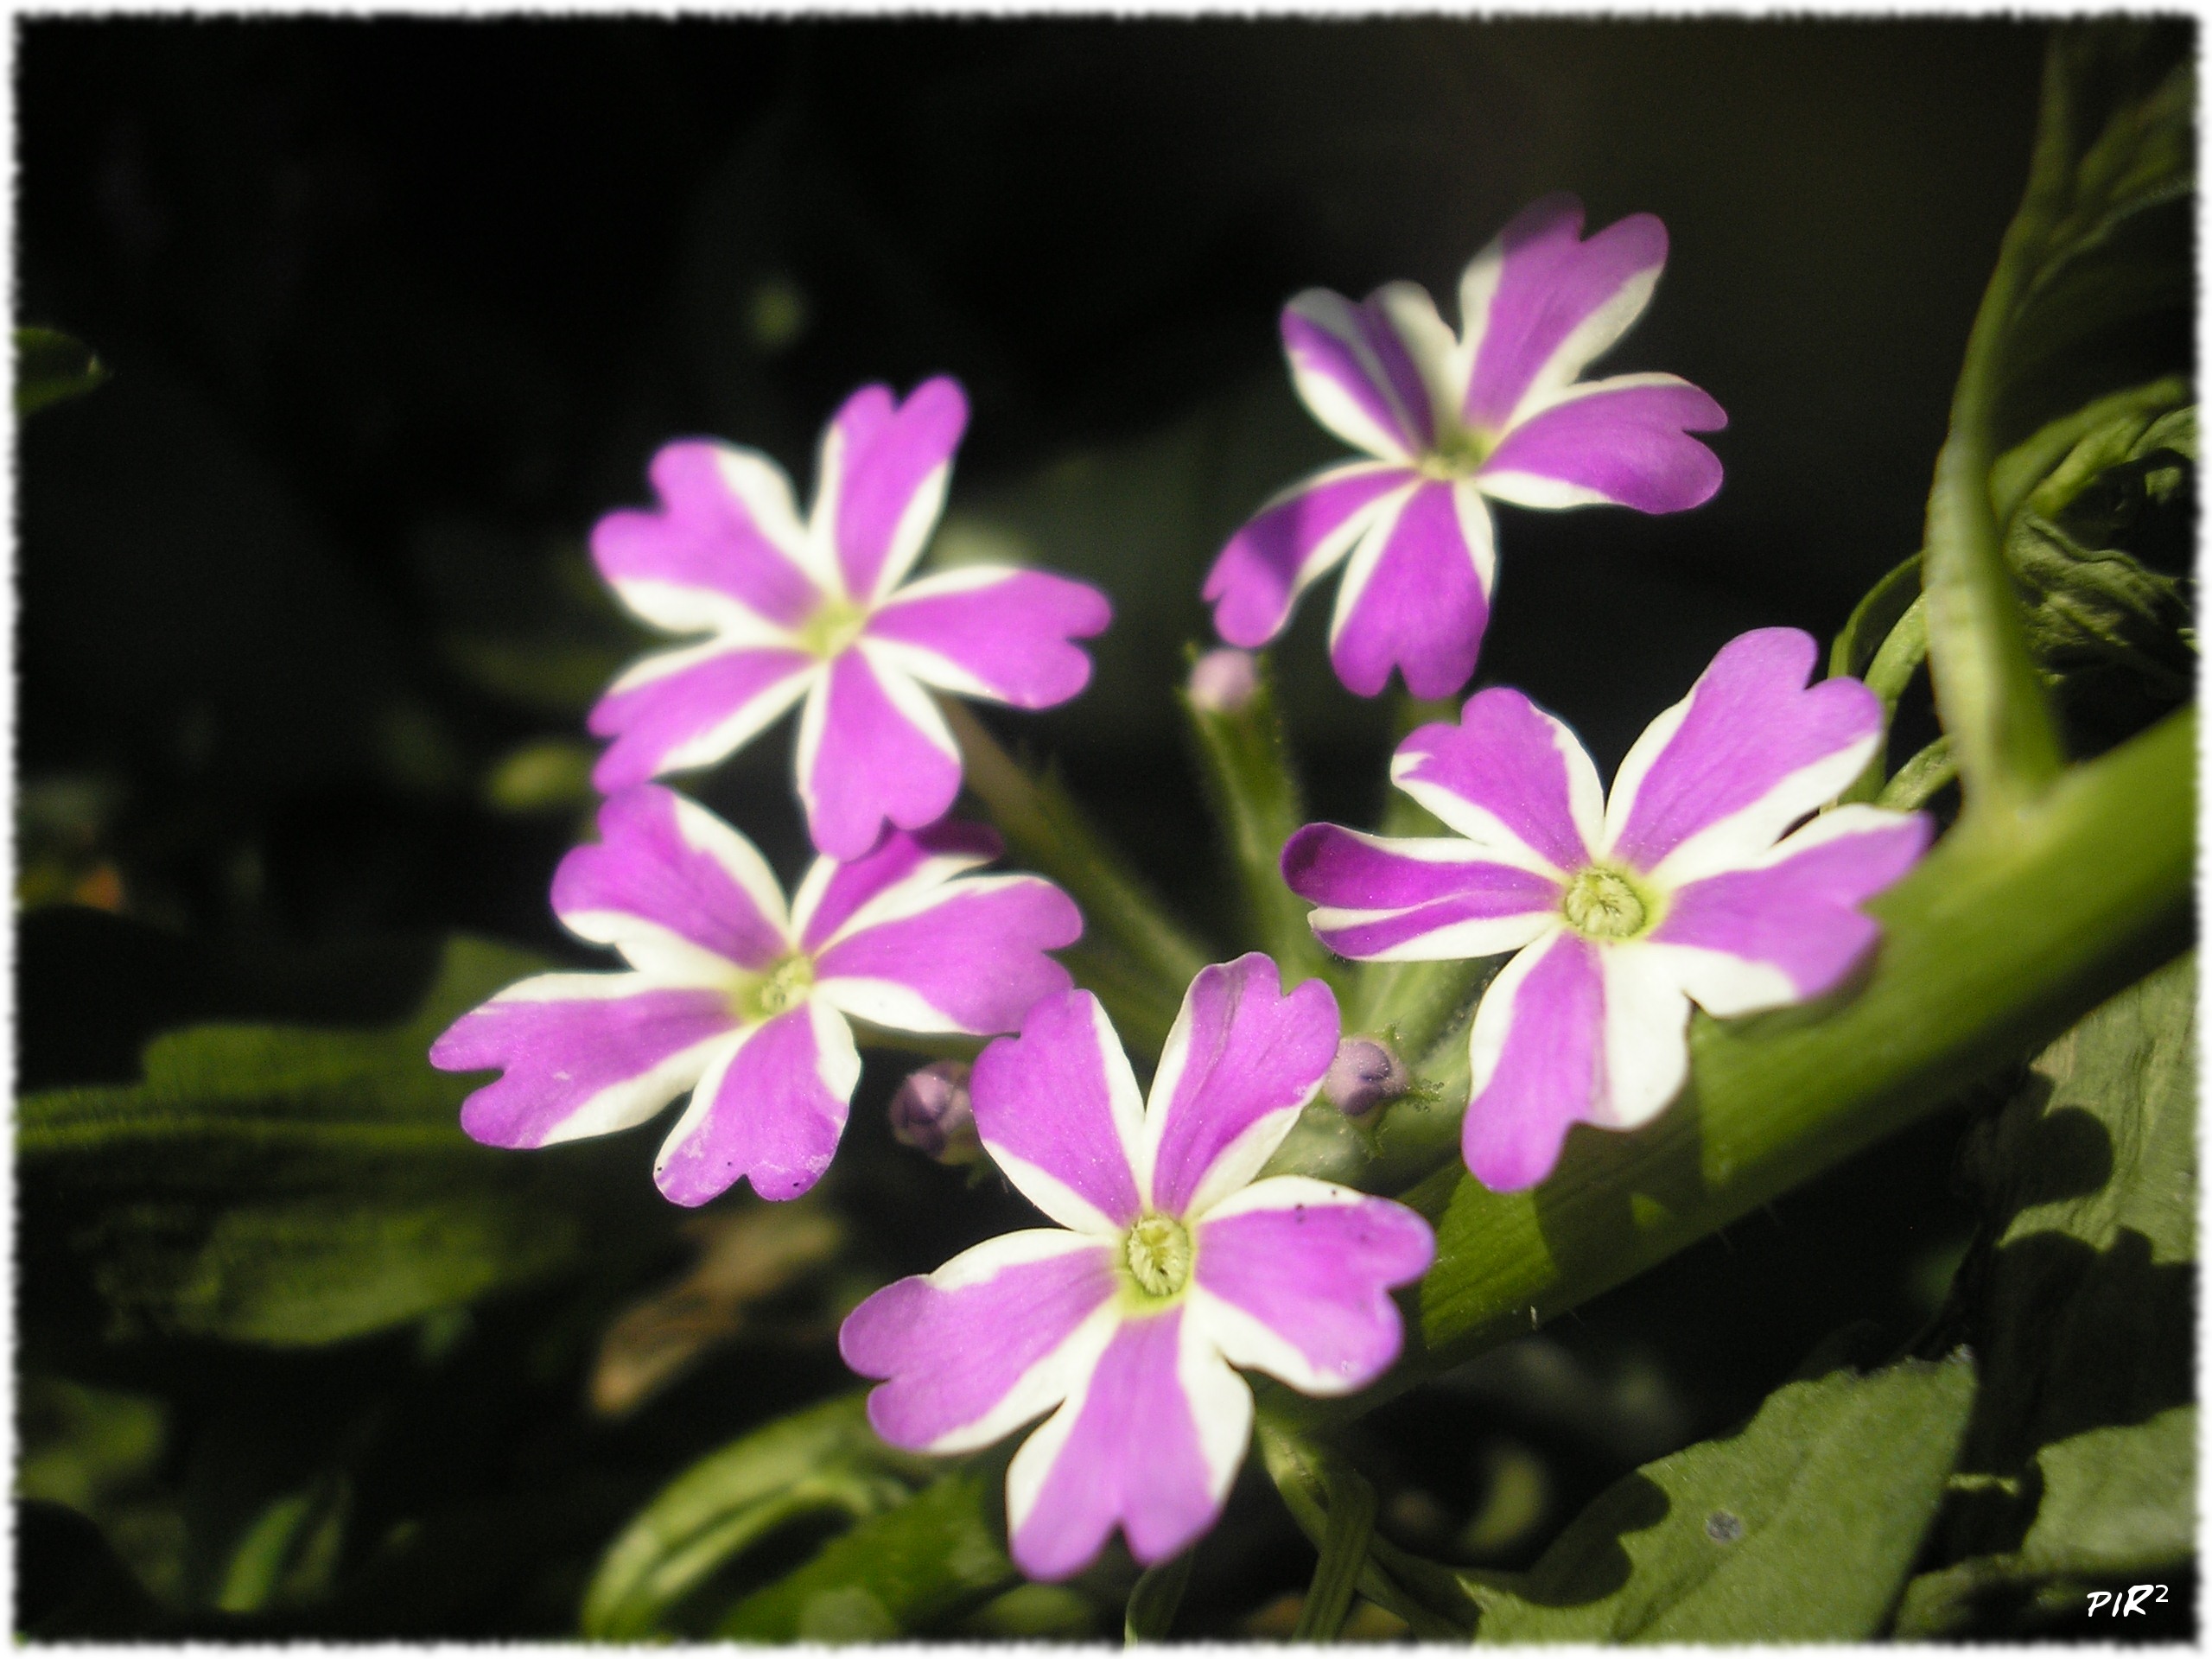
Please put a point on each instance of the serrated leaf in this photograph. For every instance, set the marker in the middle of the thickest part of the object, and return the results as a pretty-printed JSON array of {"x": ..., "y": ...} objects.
[
  {"x": 1801, "y": 1526},
  {"x": 51, "y": 367},
  {"x": 913, "y": 1567},
  {"x": 824, "y": 1460},
  {"x": 292, "y": 1185}
]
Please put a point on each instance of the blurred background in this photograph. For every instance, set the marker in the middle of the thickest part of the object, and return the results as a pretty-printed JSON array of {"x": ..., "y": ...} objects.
[{"x": 392, "y": 311}]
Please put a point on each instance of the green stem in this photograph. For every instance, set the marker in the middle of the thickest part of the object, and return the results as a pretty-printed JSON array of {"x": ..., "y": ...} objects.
[
  {"x": 1133, "y": 954},
  {"x": 1156, "y": 1598},
  {"x": 1301, "y": 1471},
  {"x": 1920, "y": 777},
  {"x": 1344, "y": 1549},
  {"x": 1245, "y": 761},
  {"x": 1899, "y": 658},
  {"x": 1991, "y": 701},
  {"x": 2006, "y": 934}
]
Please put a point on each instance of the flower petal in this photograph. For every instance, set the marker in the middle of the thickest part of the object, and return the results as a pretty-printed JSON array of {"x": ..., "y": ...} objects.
[
  {"x": 871, "y": 746},
  {"x": 992, "y": 631},
  {"x": 584, "y": 1054},
  {"x": 1294, "y": 540},
  {"x": 1789, "y": 927},
  {"x": 677, "y": 709},
  {"x": 1416, "y": 594},
  {"x": 679, "y": 892},
  {"x": 1153, "y": 1440},
  {"x": 1059, "y": 1110},
  {"x": 1716, "y": 779},
  {"x": 772, "y": 1110},
  {"x": 724, "y": 551},
  {"x": 1647, "y": 1049},
  {"x": 1535, "y": 1050},
  {"x": 1240, "y": 1061},
  {"x": 1538, "y": 305},
  {"x": 1293, "y": 1278},
  {"x": 1619, "y": 442},
  {"x": 1000, "y": 1334},
  {"x": 883, "y": 477},
  {"x": 1354, "y": 371},
  {"x": 968, "y": 955},
  {"x": 907, "y": 862},
  {"x": 1435, "y": 900},
  {"x": 1509, "y": 778}
]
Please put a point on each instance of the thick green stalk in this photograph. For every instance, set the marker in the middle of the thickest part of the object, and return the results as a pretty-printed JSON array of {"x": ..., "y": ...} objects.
[
  {"x": 1991, "y": 699},
  {"x": 1133, "y": 954},
  {"x": 1245, "y": 761},
  {"x": 2008, "y": 932}
]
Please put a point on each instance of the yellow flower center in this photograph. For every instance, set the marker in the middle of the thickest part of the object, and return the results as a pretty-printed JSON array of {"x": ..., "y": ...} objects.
[
  {"x": 782, "y": 988},
  {"x": 832, "y": 628},
  {"x": 1158, "y": 1253},
  {"x": 1603, "y": 904},
  {"x": 1458, "y": 451}
]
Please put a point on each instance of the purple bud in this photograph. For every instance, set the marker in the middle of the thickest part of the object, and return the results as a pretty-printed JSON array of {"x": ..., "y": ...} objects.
[
  {"x": 1364, "y": 1074},
  {"x": 931, "y": 1114},
  {"x": 1224, "y": 680}
]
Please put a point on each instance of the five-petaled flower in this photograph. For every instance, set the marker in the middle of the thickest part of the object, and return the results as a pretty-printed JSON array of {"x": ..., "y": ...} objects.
[
  {"x": 1624, "y": 911},
  {"x": 1176, "y": 1265},
  {"x": 815, "y": 610},
  {"x": 730, "y": 995},
  {"x": 1496, "y": 412}
]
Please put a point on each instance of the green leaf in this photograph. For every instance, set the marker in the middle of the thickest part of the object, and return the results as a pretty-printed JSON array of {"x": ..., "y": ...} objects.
[
  {"x": 2080, "y": 1300},
  {"x": 1800, "y": 1527},
  {"x": 291, "y": 1186},
  {"x": 823, "y": 1461},
  {"x": 51, "y": 367},
  {"x": 906, "y": 1571}
]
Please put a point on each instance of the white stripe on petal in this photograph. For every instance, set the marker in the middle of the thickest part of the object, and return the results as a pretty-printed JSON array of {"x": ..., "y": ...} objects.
[
  {"x": 1722, "y": 985},
  {"x": 1055, "y": 1197},
  {"x": 1541, "y": 489},
  {"x": 675, "y": 607},
  {"x": 1647, "y": 1049},
  {"x": 1635, "y": 767},
  {"x": 820, "y": 556},
  {"x": 1374, "y": 540},
  {"x": 1487, "y": 936},
  {"x": 743, "y": 723},
  {"x": 660, "y": 953},
  {"x": 1477, "y": 532},
  {"x": 1220, "y": 1402},
  {"x": 737, "y": 857},
  {"x": 1430, "y": 347},
  {"x": 919, "y": 889},
  {"x": 1493, "y": 1021},
  {"x": 907, "y": 695},
  {"x": 1325, "y": 397},
  {"x": 1590, "y": 338},
  {"x": 1745, "y": 838},
  {"x": 837, "y": 1060},
  {"x": 912, "y": 534},
  {"x": 704, "y": 1091},
  {"x": 1063, "y": 1375},
  {"x": 1478, "y": 289},
  {"x": 764, "y": 490}
]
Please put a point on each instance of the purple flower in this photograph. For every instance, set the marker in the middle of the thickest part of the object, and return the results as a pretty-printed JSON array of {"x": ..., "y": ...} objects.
[
  {"x": 1495, "y": 412},
  {"x": 1176, "y": 1266},
  {"x": 932, "y": 1113},
  {"x": 742, "y": 1001},
  {"x": 1680, "y": 888},
  {"x": 816, "y": 611}
]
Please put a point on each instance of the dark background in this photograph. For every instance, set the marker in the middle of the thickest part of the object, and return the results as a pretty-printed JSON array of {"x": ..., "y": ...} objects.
[{"x": 394, "y": 310}]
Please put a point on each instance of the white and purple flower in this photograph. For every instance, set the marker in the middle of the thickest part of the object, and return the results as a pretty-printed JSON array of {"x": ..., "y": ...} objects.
[
  {"x": 1496, "y": 412},
  {"x": 1680, "y": 888},
  {"x": 744, "y": 1002},
  {"x": 815, "y": 610},
  {"x": 1176, "y": 1265}
]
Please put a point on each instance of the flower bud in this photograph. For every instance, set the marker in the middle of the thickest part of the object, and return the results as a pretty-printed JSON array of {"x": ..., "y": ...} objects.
[
  {"x": 1364, "y": 1074},
  {"x": 1224, "y": 680},
  {"x": 931, "y": 1114}
]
